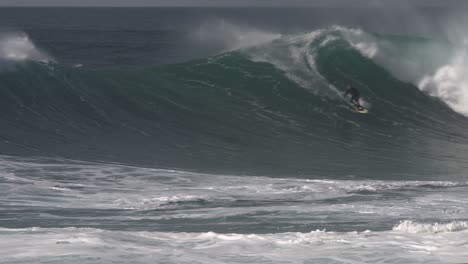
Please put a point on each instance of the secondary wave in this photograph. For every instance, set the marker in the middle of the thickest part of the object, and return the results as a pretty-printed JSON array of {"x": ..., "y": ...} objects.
[{"x": 274, "y": 108}]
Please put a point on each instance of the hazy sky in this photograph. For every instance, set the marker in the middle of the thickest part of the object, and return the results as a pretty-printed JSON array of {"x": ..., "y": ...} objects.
[{"x": 218, "y": 2}]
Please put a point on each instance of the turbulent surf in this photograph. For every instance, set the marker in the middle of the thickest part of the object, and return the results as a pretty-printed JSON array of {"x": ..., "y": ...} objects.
[
  {"x": 250, "y": 154},
  {"x": 274, "y": 108}
]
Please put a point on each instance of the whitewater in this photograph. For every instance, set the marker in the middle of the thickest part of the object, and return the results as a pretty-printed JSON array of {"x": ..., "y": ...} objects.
[
  {"x": 200, "y": 138},
  {"x": 123, "y": 214}
]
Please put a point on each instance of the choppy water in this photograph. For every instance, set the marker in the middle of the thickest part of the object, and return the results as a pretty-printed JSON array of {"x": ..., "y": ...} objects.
[
  {"x": 247, "y": 154},
  {"x": 63, "y": 211}
]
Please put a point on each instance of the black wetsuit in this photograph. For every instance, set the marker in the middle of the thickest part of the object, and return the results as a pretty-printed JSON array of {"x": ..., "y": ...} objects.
[{"x": 354, "y": 96}]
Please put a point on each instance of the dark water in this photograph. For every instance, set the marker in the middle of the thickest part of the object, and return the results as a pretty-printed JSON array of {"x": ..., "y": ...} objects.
[
  {"x": 238, "y": 144},
  {"x": 240, "y": 111}
]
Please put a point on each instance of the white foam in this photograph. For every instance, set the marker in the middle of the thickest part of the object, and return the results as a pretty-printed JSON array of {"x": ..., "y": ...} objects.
[
  {"x": 156, "y": 202},
  {"x": 439, "y": 70},
  {"x": 190, "y": 195},
  {"x": 450, "y": 82},
  {"x": 19, "y": 47},
  {"x": 91, "y": 245},
  {"x": 415, "y": 227},
  {"x": 240, "y": 202}
]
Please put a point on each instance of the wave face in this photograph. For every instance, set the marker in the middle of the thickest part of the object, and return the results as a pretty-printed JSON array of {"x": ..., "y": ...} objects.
[{"x": 274, "y": 108}]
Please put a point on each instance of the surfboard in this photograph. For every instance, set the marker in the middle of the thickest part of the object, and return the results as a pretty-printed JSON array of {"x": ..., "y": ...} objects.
[{"x": 363, "y": 111}]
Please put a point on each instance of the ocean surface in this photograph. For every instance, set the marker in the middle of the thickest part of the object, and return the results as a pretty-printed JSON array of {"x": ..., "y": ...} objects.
[{"x": 221, "y": 135}]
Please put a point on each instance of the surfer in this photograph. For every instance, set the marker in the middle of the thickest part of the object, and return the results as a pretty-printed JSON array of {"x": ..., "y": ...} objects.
[{"x": 355, "y": 95}]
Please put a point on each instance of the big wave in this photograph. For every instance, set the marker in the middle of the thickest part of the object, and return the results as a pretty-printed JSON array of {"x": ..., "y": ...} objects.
[{"x": 273, "y": 108}]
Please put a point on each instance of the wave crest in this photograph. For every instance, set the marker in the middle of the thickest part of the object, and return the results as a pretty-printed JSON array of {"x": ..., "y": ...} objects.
[{"x": 18, "y": 47}]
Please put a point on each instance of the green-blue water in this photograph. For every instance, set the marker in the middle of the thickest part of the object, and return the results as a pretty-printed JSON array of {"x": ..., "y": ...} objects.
[
  {"x": 215, "y": 136},
  {"x": 235, "y": 113}
]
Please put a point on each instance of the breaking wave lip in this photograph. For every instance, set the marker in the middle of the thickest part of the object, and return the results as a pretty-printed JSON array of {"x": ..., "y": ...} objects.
[
  {"x": 444, "y": 78},
  {"x": 441, "y": 78},
  {"x": 18, "y": 47}
]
